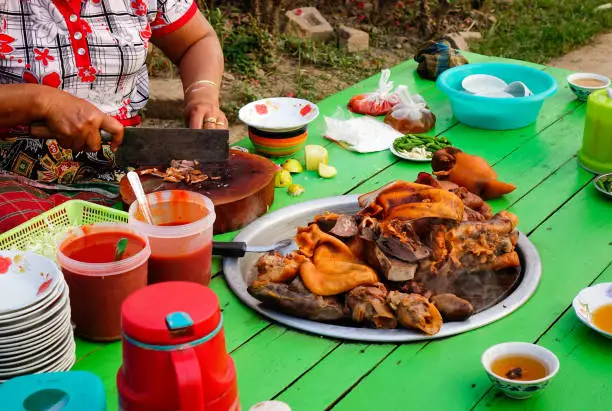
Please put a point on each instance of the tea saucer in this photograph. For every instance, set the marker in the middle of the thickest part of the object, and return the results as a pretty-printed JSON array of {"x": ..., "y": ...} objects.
[{"x": 590, "y": 299}]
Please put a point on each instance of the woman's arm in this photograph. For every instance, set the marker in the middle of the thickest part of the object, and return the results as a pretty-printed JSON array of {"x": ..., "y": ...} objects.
[
  {"x": 74, "y": 122},
  {"x": 195, "y": 49}
]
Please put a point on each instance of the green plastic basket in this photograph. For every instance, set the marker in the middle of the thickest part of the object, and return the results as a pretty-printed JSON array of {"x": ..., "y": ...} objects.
[{"x": 70, "y": 214}]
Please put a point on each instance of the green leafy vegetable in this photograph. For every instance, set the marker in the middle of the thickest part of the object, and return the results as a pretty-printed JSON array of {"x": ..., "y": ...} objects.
[
  {"x": 408, "y": 142},
  {"x": 605, "y": 184}
]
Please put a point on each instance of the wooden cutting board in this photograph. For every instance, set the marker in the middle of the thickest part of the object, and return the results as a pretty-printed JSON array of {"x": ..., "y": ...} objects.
[{"x": 244, "y": 191}]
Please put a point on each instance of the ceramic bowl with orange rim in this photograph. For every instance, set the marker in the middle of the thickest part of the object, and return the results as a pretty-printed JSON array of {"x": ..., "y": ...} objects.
[{"x": 278, "y": 126}]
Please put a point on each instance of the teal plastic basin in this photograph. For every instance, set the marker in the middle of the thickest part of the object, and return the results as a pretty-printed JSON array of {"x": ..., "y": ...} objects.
[{"x": 497, "y": 113}]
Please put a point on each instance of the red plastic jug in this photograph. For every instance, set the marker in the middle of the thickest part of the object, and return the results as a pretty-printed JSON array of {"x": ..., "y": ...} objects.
[{"x": 174, "y": 355}]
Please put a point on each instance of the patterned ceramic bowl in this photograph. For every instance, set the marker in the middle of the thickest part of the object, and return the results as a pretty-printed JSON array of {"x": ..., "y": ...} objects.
[
  {"x": 602, "y": 184},
  {"x": 278, "y": 126},
  {"x": 514, "y": 388},
  {"x": 278, "y": 144},
  {"x": 589, "y": 300},
  {"x": 583, "y": 91}
]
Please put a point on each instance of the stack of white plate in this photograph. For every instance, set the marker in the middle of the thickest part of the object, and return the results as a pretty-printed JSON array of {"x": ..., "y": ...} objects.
[{"x": 35, "y": 329}]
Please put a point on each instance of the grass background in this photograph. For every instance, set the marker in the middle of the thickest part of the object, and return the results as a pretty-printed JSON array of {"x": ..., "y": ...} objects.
[{"x": 540, "y": 30}]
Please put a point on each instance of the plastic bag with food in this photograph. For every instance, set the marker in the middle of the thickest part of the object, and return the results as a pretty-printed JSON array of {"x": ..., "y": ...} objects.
[
  {"x": 411, "y": 114},
  {"x": 362, "y": 134},
  {"x": 377, "y": 103}
]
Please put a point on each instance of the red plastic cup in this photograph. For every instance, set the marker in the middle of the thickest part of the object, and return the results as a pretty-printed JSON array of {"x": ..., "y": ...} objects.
[
  {"x": 98, "y": 285},
  {"x": 181, "y": 240}
]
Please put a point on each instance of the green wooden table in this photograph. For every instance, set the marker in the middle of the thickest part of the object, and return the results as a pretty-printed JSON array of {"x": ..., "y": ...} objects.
[{"x": 570, "y": 224}]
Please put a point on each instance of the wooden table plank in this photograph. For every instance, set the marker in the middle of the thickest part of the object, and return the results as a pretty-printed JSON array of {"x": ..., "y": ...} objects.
[
  {"x": 321, "y": 386},
  {"x": 584, "y": 381},
  {"x": 272, "y": 359},
  {"x": 568, "y": 266}
]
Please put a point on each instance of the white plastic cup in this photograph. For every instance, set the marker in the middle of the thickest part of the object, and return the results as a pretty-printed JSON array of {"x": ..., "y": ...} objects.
[{"x": 181, "y": 240}]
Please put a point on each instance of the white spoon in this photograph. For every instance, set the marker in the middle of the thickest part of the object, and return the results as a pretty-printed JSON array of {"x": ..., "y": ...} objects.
[
  {"x": 517, "y": 89},
  {"x": 609, "y": 90},
  {"x": 143, "y": 203}
]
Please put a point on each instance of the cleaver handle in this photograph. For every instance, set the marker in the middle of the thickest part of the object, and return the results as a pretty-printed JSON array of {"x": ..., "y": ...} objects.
[
  {"x": 41, "y": 131},
  {"x": 229, "y": 249}
]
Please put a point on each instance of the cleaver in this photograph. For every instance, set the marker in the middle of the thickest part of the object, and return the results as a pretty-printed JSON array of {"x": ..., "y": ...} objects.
[{"x": 159, "y": 146}]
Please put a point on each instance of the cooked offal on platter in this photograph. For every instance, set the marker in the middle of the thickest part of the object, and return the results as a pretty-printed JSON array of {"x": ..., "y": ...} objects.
[{"x": 410, "y": 258}]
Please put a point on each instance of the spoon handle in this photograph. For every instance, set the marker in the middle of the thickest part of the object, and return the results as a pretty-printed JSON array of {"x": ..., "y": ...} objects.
[
  {"x": 143, "y": 203},
  {"x": 609, "y": 90}
]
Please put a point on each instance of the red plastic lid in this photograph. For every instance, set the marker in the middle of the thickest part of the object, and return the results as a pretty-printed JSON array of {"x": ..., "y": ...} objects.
[{"x": 170, "y": 313}]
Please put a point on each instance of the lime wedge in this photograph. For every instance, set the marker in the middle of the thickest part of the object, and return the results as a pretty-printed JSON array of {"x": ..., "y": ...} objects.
[
  {"x": 326, "y": 171},
  {"x": 292, "y": 166},
  {"x": 295, "y": 190},
  {"x": 315, "y": 155},
  {"x": 282, "y": 179}
]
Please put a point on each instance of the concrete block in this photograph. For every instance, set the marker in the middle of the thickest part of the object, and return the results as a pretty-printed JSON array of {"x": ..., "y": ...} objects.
[
  {"x": 308, "y": 23},
  {"x": 353, "y": 40}
]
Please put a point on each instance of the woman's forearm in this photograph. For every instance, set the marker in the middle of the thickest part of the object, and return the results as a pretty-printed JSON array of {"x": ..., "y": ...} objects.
[
  {"x": 23, "y": 103},
  {"x": 203, "y": 61}
]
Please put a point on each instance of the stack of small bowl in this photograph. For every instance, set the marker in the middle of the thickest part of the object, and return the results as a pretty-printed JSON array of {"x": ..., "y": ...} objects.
[{"x": 35, "y": 328}]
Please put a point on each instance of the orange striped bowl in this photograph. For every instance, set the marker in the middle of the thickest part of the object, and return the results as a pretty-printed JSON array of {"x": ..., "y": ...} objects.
[{"x": 278, "y": 143}]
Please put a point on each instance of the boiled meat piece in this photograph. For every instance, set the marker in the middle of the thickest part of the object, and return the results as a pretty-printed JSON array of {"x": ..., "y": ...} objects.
[
  {"x": 401, "y": 200},
  {"x": 451, "y": 307},
  {"x": 398, "y": 240},
  {"x": 346, "y": 226},
  {"x": 475, "y": 207},
  {"x": 368, "y": 305},
  {"x": 474, "y": 202},
  {"x": 390, "y": 268},
  {"x": 471, "y": 172},
  {"x": 415, "y": 311},
  {"x": 334, "y": 268},
  {"x": 295, "y": 299},
  {"x": 274, "y": 267}
]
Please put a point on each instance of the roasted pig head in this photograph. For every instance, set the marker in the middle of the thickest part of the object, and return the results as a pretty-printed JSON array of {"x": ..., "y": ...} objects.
[
  {"x": 415, "y": 311},
  {"x": 295, "y": 299},
  {"x": 401, "y": 200},
  {"x": 471, "y": 172},
  {"x": 367, "y": 304}
]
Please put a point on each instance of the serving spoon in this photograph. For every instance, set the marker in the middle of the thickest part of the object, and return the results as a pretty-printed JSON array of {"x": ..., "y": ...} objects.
[{"x": 141, "y": 198}]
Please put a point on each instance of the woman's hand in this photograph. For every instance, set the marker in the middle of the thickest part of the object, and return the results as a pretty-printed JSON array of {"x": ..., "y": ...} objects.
[
  {"x": 76, "y": 123},
  {"x": 202, "y": 110}
]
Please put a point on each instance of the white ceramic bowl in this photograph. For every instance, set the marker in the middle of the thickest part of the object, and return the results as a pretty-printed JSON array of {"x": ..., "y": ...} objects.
[
  {"x": 583, "y": 92},
  {"x": 590, "y": 299},
  {"x": 483, "y": 83},
  {"x": 278, "y": 114},
  {"x": 520, "y": 389}
]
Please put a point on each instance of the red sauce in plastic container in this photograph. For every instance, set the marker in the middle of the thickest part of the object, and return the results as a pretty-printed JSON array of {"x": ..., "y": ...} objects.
[
  {"x": 98, "y": 284},
  {"x": 181, "y": 239}
]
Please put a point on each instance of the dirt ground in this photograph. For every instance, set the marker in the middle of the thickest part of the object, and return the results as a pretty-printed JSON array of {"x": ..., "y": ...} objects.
[{"x": 592, "y": 58}]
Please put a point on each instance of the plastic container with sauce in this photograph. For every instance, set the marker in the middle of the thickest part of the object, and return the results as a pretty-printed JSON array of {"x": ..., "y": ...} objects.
[
  {"x": 181, "y": 239},
  {"x": 98, "y": 285}
]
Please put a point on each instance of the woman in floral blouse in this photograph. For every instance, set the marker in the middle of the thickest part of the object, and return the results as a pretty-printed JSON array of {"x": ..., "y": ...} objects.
[{"x": 79, "y": 67}]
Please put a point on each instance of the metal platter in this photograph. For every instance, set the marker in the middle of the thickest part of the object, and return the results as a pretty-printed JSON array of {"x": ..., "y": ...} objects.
[{"x": 283, "y": 224}]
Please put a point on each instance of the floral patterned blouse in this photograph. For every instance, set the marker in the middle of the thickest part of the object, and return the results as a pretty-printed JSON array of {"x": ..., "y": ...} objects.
[{"x": 93, "y": 49}]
